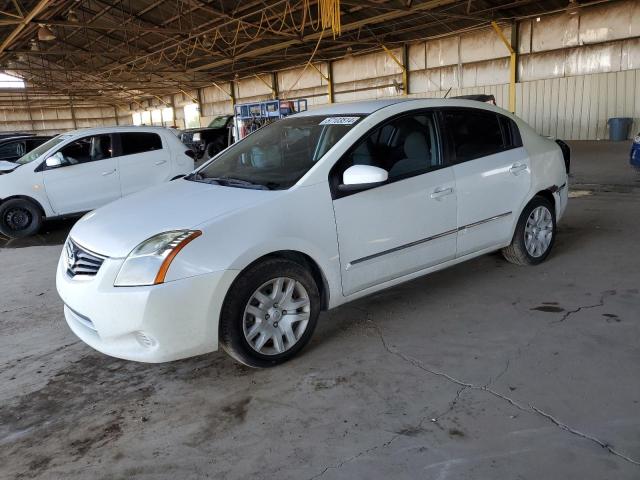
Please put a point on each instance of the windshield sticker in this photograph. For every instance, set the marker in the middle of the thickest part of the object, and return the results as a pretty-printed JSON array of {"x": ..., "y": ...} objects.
[{"x": 339, "y": 121}]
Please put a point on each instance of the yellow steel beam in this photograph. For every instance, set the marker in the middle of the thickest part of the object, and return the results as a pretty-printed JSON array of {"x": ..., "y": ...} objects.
[
  {"x": 271, "y": 87},
  {"x": 222, "y": 90},
  {"x": 330, "y": 90},
  {"x": 193, "y": 99},
  {"x": 42, "y": 4},
  {"x": 405, "y": 76},
  {"x": 320, "y": 72},
  {"x": 512, "y": 66}
]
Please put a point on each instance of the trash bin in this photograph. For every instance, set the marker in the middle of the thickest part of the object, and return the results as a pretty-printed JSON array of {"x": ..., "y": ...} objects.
[{"x": 619, "y": 128}]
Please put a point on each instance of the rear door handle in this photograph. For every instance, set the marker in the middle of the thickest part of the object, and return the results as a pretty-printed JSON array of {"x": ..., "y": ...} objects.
[
  {"x": 111, "y": 172},
  {"x": 441, "y": 192},
  {"x": 161, "y": 162},
  {"x": 517, "y": 168}
]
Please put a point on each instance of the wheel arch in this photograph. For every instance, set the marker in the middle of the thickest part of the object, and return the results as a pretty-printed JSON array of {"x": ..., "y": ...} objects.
[
  {"x": 306, "y": 261},
  {"x": 27, "y": 198},
  {"x": 548, "y": 195}
]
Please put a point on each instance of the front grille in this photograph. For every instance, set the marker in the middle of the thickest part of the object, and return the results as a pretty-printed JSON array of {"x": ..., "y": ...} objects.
[{"x": 81, "y": 261}]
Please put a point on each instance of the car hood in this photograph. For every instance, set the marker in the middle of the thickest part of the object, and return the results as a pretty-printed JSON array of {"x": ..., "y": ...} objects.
[
  {"x": 7, "y": 166},
  {"x": 117, "y": 228}
]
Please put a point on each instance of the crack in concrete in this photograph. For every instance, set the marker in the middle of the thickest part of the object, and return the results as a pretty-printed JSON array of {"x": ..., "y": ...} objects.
[
  {"x": 452, "y": 405},
  {"x": 568, "y": 313},
  {"x": 531, "y": 409},
  {"x": 357, "y": 455},
  {"x": 524, "y": 408}
]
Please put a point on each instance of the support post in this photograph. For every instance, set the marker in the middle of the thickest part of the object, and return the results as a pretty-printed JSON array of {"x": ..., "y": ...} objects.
[
  {"x": 330, "y": 90},
  {"x": 232, "y": 94},
  {"x": 115, "y": 112},
  {"x": 513, "y": 63},
  {"x": 274, "y": 85},
  {"x": 405, "y": 76},
  {"x": 327, "y": 79},
  {"x": 405, "y": 68},
  {"x": 73, "y": 114}
]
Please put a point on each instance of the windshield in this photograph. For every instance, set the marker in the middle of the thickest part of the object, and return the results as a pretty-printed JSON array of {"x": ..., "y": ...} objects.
[
  {"x": 36, "y": 152},
  {"x": 277, "y": 155},
  {"x": 218, "y": 122}
]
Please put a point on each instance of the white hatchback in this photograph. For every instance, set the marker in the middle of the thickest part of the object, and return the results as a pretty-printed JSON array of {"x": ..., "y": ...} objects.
[
  {"x": 82, "y": 170},
  {"x": 305, "y": 214}
]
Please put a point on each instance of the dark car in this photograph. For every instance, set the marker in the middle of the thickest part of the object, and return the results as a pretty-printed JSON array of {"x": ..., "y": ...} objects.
[
  {"x": 12, "y": 148},
  {"x": 479, "y": 98},
  {"x": 208, "y": 141},
  {"x": 14, "y": 134},
  {"x": 635, "y": 152}
]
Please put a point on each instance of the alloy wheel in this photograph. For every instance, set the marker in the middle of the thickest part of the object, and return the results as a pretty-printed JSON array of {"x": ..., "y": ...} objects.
[
  {"x": 276, "y": 316},
  {"x": 538, "y": 231}
]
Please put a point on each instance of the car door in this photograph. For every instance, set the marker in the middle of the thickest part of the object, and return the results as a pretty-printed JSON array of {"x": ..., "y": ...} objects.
[
  {"x": 492, "y": 173},
  {"x": 405, "y": 225},
  {"x": 86, "y": 178},
  {"x": 143, "y": 160}
]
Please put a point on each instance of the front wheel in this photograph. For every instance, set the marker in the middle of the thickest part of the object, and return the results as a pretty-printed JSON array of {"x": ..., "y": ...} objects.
[
  {"x": 534, "y": 235},
  {"x": 19, "y": 218},
  {"x": 270, "y": 313}
]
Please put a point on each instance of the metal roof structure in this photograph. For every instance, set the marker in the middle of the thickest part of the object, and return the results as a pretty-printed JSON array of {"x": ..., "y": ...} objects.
[{"x": 118, "y": 51}]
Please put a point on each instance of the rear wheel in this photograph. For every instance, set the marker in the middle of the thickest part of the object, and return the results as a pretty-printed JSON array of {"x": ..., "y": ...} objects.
[
  {"x": 270, "y": 313},
  {"x": 19, "y": 218},
  {"x": 534, "y": 235}
]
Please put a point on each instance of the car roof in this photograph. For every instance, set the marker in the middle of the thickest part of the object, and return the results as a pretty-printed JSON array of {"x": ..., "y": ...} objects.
[
  {"x": 116, "y": 128},
  {"x": 365, "y": 107},
  {"x": 370, "y": 106}
]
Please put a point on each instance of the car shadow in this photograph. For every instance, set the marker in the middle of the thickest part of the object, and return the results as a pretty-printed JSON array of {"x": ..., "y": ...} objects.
[{"x": 53, "y": 232}]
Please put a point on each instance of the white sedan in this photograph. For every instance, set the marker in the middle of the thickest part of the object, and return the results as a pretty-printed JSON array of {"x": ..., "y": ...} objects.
[
  {"x": 81, "y": 170},
  {"x": 304, "y": 215}
]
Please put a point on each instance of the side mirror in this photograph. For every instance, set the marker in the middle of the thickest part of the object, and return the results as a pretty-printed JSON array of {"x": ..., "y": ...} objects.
[
  {"x": 360, "y": 177},
  {"x": 53, "y": 162}
]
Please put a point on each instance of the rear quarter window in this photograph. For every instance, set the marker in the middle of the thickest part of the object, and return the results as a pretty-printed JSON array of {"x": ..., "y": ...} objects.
[
  {"x": 139, "y": 142},
  {"x": 476, "y": 133}
]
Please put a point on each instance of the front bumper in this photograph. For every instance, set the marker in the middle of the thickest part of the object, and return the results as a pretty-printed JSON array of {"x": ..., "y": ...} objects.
[
  {"x": 562, "y": 197},
  {"x": 153, "y": 324}
]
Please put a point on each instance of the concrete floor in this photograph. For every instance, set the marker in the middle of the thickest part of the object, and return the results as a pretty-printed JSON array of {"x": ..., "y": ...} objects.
[{"x": 485, "y": 370}]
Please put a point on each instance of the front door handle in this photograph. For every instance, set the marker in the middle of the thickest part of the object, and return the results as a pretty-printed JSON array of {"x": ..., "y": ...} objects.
[
  {"x": 517, "y": 168},
  {"x": 441, "y": 192},
  {"x": 160, "y": 162},
  {"x": 110, "y": 172}
]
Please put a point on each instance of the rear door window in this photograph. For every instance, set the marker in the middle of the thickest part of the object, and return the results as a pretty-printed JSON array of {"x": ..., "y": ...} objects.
[
  {"x": 139, "y": 142},
  {"x": 474, "y": 133}
]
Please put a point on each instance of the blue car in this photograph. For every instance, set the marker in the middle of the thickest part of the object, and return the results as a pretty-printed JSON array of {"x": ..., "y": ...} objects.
[{"x": 635, "y": 151}]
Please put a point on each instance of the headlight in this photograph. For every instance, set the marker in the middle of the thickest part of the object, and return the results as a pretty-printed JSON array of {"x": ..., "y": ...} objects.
[{"x": 149, "y": 262}]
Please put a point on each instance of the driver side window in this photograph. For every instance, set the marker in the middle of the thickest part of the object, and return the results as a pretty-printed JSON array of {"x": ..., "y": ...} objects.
[
  {"x": 404, "y": 147},
  {"x": 84, "y": 150}
]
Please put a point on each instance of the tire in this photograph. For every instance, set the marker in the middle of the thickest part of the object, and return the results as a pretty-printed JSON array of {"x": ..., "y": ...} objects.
[
  {"x": 213, "y": 148},
  {"x": 19, "y": 218},
  {"x": 524, "y": 251},
  {"x": 243, "y": 314}
]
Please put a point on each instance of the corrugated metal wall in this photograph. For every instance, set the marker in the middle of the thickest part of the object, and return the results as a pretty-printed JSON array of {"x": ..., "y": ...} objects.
[{"x": 575, "y": 72}]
